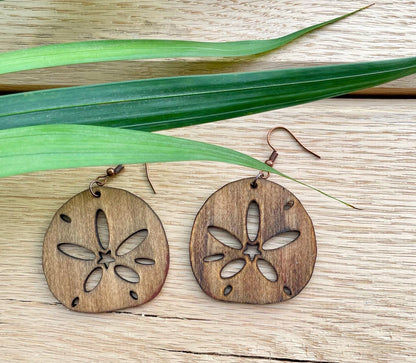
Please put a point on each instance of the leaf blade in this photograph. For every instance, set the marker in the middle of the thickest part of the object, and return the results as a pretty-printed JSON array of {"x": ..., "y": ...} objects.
[
  {"x": 163, "y": 103},
  {"x": 47, "y": 147},
  {"x": 112, "y": 50}
]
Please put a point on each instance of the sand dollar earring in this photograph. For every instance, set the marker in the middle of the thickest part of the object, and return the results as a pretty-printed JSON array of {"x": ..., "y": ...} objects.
[
  {"x": 234, "y": 262},
  {"x": 105, "y": 250}
]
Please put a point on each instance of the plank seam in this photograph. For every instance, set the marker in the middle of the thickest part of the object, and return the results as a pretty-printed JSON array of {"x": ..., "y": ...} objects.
[{"x": 276, "y": 359}]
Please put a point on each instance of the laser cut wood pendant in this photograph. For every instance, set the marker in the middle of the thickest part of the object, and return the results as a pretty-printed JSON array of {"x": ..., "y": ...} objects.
[
  {"x": 106, "y": 253},
  {"x": 265, "y": 271}
]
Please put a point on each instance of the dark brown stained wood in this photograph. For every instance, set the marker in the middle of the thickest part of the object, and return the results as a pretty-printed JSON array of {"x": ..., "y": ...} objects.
[
  {"x": 279, "y": 212},
  {"x": 73, "y": 250}
]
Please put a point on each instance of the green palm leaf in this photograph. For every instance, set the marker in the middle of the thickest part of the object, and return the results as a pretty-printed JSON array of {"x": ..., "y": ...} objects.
[
  {"x": 49, "y": 147},
  {"x": 111, "y": 50},
  {"x": 162, "y": 103}
]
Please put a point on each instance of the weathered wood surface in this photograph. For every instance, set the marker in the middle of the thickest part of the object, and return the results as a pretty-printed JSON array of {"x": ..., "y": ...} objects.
[
  {"x": 386, "y": 30},
  {"x": 360, "y": 304},
  {"x": 361, "y": 301}
]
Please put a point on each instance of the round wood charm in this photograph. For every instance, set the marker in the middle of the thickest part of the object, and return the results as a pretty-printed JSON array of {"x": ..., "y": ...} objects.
[
  {"x": 106, "y": 253},
  {"x": 252, "y": 242}
]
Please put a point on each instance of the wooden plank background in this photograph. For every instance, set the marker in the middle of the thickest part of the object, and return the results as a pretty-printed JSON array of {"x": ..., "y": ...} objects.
[
  {"x": 361, "y": 302},
  {"x": 386, "y": 30}
]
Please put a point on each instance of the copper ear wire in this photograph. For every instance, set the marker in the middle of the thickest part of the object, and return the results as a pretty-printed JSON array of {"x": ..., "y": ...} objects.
[
  {"x": 273, "y": 156},
  {"x": 102, "y": 179},
  {"x": 269, "y": 134},
  {"x": 146, "y": 166}
]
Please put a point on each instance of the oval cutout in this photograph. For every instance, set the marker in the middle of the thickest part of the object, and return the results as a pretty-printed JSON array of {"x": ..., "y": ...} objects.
[
  {"x": 93, "y": 279},
  {"x": 75, "y": 302},
  {"x": 289, "y": 205},
  {"x": 65, "y": 218},
  {"x": 127, "y": 274},
  {"x": 280, "y": 240},
  {"x": 76, "y": 251},
  {"x": 101, "y": 229},
  {"x": 267, "y": 270},
  {"x": 131, "y": 242},
  {"x": 232, "y": 268},
  {"x": 225, "y": 237},
  {"x": 134, "y": 295},
  {"x": 228, "y": 290},
  {"x": 287, "y": 291},
  {"x": 212, "y": 258},
  {"x": 144, "y": 261},
  {"x": 253, "y": 220}
]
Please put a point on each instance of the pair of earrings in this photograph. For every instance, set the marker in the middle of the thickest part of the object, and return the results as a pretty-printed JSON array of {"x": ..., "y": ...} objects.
[{"x": 106, "y": 248}]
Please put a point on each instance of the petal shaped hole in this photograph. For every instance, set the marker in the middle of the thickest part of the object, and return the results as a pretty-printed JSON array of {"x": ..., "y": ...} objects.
[
  {"x": 101, "y": 228},
  {"x": 134, "y": 295},
  {"x": 280, "y": 240},
  {"x": 225, "y": 237},
  {"x": 253, "y": 220},
  {"x": 267, "y": 270},
  {"x": 75, "y": 302},
  {"x": 144, "y": 261},
  {"x": 76, "y": 251},
  {"x": 287, "y": 291},
  {"x": 212, "y": 258},
  {"x": 127, "y": 274},
  {"x": 232, "y": 268},
  {"x": 228, "y": 290},
  {"x": 289, "y": 205},
  {"x": 93, "y": 279},
  {"x": 131, "y": 242},
  {"x": 65, "y": 218}
]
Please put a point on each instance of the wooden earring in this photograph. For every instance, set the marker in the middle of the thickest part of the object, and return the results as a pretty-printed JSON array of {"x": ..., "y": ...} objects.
[
  {"x": 268, "y": 264},
  {"x": 105, "y": 250}
]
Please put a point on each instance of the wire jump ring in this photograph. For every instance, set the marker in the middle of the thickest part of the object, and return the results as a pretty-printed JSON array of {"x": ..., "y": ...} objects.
[{"x": 94, "y": 183}]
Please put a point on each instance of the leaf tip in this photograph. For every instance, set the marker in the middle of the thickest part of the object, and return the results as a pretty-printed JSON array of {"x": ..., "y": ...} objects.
[
  {"x": 353, "y": 206},
  {"x": 368, "y": 6}
]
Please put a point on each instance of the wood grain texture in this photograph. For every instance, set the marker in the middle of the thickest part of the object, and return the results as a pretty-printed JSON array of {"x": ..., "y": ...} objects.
[
  {"x": 386, "y": 30},
  {"x": 289, "y": 266},
  {"x": 359, "y": 305},
  {"x": 121, "y": 280}
]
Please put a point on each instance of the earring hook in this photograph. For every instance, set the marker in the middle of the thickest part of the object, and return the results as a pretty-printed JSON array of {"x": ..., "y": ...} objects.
[
  {"x": 273, "y": 156},
  {"x": 146, "y": 166},
  {"x": 269, "y": 134}
]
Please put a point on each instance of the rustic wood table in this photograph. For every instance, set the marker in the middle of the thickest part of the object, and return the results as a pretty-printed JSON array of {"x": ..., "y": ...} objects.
[{"x": 360, "y": 304}]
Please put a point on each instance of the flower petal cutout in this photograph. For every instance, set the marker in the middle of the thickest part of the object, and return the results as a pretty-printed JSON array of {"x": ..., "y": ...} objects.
[
  {"x": 253, "y": 220},
  {"x": 213, "y": 258},
  {"x": 267, "y": 270},
  {"x": 127, "y": 274},
  {"x": 93, "y": 279},
  {"x": 232, "y": 268},
  {"x": 144, "y": 261},
  {"x": 76, "y": 251},
  {"x": 131, "y": 242},
  {"x": 101, "y": 229},
  {"x": 225, "y": 237},
  {"x": 280, "y": 240}
]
